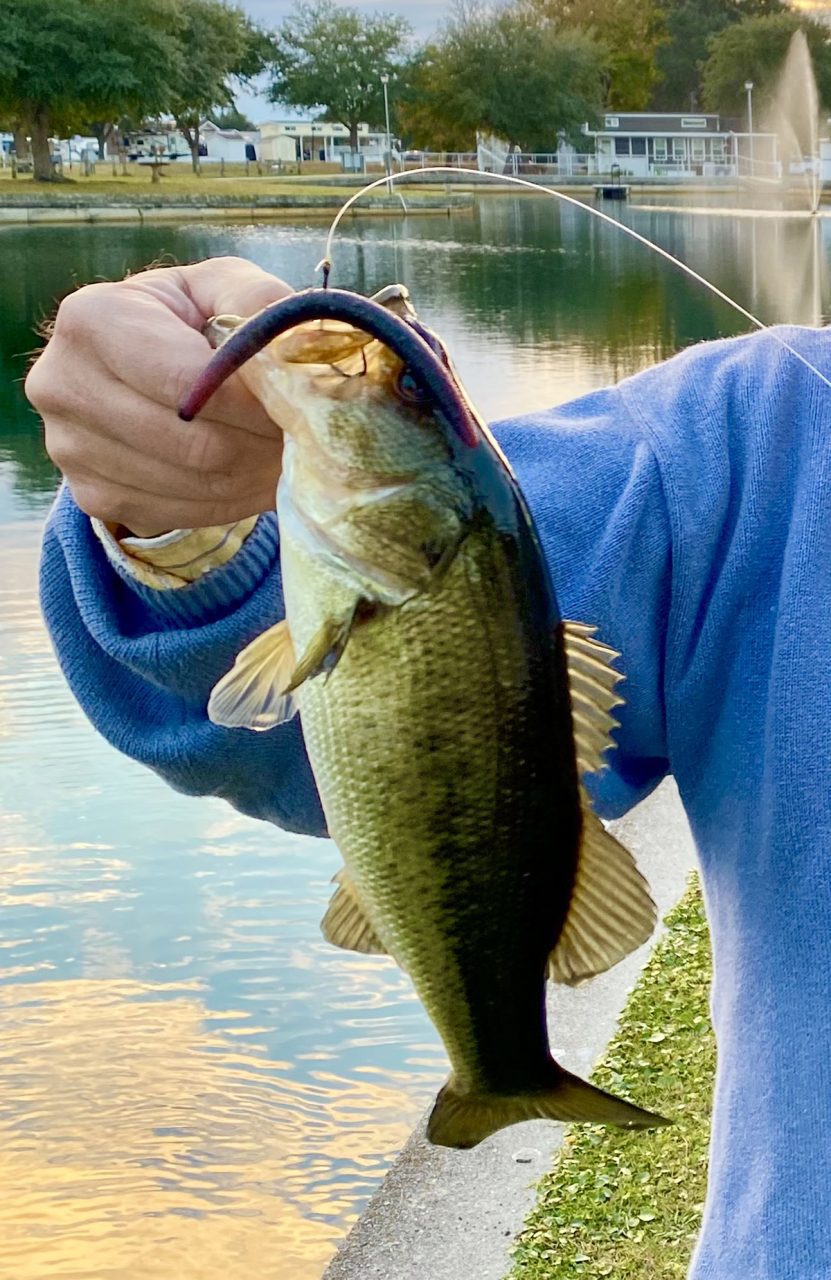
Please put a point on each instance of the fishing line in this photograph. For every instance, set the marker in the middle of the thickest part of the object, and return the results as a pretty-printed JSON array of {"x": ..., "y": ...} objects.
[{"x": 326, "y": 264}]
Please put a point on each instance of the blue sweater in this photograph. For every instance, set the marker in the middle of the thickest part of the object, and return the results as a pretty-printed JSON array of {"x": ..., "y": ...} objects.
[{"x": 687, "y": 512}]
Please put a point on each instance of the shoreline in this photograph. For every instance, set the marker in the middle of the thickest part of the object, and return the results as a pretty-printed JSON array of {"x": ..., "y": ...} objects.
[{"x": 45, "y": 210}]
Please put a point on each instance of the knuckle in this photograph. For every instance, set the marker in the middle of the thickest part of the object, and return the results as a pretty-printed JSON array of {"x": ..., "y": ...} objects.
[
  {"x": 60, "y": 447},
  {"x": 91, "y": 497}
]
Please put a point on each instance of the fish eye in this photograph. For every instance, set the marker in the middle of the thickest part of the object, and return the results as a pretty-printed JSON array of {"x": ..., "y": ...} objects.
[{"x": 409, "y": 389}]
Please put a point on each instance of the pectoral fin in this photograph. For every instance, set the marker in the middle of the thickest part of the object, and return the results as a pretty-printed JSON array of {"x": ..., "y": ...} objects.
[
  {"x": 255, "y": 692},
  {"x": 346, "y": 923},
  {"x": 324, "y": 650},
  {"x": 611, "y": 912},
  {"x": 258, "y": 692}
]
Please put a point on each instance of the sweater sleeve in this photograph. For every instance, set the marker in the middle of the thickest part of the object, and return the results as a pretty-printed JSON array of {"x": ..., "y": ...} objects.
[
  {"x": 595, "y": 489},
  {"x": 142, "y": 662}
]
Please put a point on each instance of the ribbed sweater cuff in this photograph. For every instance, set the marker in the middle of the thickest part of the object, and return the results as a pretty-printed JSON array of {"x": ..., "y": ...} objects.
[
  {"x": 220, "y": 590},
  {"x": 215, "y": 595}
]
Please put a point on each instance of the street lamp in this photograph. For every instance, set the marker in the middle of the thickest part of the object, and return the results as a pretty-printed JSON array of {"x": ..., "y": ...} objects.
[
  {"x": 748, "y": 84},
  {"x": 388, "y": 153}
]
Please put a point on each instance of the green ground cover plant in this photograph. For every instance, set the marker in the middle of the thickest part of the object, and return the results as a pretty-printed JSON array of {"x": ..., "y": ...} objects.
[{"x": 628, "y": 1206}]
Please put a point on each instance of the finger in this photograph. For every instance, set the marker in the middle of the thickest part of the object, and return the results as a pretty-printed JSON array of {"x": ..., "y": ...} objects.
[
  {"x": 133, "y": 339},
  {"x": 203, "y": 465},
  {"x": 148, "y": 515}
]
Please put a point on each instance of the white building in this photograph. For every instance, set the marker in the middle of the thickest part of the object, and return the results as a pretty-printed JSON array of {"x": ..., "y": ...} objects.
[
  {"x": 237, "y": 145},
  {"x": 320, "y": 140},
  {"x": 645, "y": 144}
]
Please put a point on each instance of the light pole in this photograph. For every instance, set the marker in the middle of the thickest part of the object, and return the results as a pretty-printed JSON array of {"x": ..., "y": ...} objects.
[
  {"x": 388, "y": 153},
  {"x": 748, "y": 84}
]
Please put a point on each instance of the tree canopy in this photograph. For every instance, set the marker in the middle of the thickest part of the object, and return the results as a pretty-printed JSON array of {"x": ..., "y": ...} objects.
[
  {"x": 331, "y": 58},
  {"x": 67, "y": 63},
  {"x": 630, "y": 33},
  {"x": 755, "y": 49},
  {"x": 507, "y": 71},
  {"x": 221, "y": 48},
  {"x": 690, "y": 25}
]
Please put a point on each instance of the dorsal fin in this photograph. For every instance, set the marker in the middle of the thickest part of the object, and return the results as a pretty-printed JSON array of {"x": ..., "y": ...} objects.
[
  {"x": 592, "y": 680},
  {"x": 611, "y": 912}
]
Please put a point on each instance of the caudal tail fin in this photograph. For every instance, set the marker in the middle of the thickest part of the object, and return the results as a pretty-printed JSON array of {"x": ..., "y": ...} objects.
[{"x": 464, "y": 1119}]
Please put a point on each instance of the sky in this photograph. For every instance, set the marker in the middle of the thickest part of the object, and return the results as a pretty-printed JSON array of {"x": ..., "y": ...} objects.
[{"x": 424, "y": 16}]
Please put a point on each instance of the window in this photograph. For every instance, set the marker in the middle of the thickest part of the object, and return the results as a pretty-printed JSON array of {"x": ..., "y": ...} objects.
[
  {"x": 718, "y": 149},
  {"x": 679, "y": 151},
  {"x": 660, "y": 148},
  {"x": 612, "y": 122},
  {"x": 693, "y": 122},
  {"x": 622, "y": 147},
  {"x": 639, "y": 146}
]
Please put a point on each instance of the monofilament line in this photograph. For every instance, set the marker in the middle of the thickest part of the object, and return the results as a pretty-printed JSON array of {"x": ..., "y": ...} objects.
[{"x": 586, "y": 208}]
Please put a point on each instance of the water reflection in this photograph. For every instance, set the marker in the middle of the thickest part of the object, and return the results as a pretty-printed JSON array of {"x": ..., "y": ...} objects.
[{"x": 192, "y": 1082}]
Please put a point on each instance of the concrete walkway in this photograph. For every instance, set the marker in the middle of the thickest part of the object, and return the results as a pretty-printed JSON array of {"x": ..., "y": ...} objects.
[{"x": 453, "y": 1215}]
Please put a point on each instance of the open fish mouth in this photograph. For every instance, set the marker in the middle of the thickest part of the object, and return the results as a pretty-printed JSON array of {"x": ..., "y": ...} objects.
[{"x": 406, "y": 337}]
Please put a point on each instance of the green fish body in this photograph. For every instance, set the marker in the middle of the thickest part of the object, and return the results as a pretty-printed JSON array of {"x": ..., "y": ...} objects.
[{"x": 423, "y": 647}]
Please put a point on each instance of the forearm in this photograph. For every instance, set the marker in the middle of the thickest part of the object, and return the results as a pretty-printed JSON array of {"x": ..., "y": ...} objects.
[{"x": 142, "y": 662}]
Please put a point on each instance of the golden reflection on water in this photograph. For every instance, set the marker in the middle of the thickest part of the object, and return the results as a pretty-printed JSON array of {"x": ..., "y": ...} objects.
[
  {"x": 139, "y": 1140},
  {"x": 223, "y": 1121}
]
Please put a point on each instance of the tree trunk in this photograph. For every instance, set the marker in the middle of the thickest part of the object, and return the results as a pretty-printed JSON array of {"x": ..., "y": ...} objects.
[
  {"x": 21, "y": 142},
  {"x": 353, "y": 137},
  {"x": 102, "y": 134},
  {"x": 42, "y": 170},
  {"x": 190, "y": 132}
]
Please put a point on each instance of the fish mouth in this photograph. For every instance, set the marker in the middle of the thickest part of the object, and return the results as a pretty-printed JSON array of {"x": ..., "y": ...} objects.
[{"x": 419, "y": 351}]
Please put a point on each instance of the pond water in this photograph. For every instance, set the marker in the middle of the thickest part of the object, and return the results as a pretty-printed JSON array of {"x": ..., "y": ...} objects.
[{"x": 191, "y": 1081}]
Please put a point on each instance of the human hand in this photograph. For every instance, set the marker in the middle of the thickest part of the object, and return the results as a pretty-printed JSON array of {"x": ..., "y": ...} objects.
[{"x": 108, "y": 385}]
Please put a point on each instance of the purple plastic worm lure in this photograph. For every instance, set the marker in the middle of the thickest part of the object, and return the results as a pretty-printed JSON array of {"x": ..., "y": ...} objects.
[{"x": 406, "y": 338}]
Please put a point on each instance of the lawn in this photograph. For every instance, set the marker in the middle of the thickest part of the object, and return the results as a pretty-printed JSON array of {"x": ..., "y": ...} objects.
[
  {"x": 180, "y": 181},
  {"x": 628, "y": 1206}
]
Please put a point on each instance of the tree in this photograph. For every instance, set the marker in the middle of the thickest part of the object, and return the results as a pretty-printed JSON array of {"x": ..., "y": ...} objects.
[
  {"x": 332, "y": 58},
  {"x": 66, "y": 61},
  {"x": 221, "y": 49},
  {"x": 507, "y": 71},
  {"x": 631, "y": 34},
  {"x": 230, "y": 118},
  {"x": 755, "y": 50},
  {"x": 690, "y": 25}
]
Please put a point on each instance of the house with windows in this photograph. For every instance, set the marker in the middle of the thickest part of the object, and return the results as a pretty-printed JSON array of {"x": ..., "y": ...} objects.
[
  {"x": 644, "y": 144},
  {"x": 322, "y": 140}
]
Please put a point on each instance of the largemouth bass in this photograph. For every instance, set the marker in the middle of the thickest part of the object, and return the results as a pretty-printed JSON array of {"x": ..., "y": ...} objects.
[{"x": 448, "y": 711}]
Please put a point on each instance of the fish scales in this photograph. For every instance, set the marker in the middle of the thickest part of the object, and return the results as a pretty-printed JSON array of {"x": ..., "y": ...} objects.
[
  {"x": 423, "y": 646},
  {"x": 445, "y": 790}
]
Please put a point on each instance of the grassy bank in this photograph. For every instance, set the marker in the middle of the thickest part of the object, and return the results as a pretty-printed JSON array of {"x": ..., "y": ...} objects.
[
  {"x": 628, "y": 1206},
  {"x": 181, "y": 183}
]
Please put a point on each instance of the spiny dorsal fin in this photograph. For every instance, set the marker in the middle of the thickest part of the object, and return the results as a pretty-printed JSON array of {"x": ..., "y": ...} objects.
[
  {"x": 346, "y": 924},
  {"x": 252, "y": 695},
  {"x": 592, "y": 680},
  {"x": 611, "y": 912}
]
